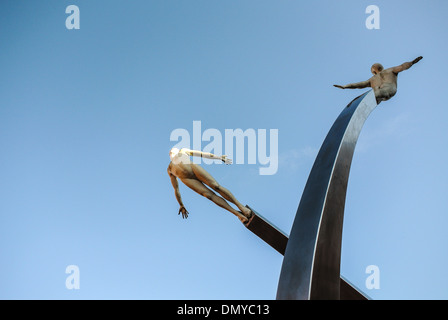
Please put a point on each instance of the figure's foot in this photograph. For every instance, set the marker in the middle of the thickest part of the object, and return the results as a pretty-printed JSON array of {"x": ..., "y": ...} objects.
[
  {"x": 247, "y": 212},
  {"x": 243, "y": 219},
  {"x": 246, "y": 216}
]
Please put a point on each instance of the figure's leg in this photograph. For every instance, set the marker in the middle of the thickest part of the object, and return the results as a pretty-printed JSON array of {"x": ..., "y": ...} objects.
[
  {"x": 200, "y": 188},
  {"x": 206, "y": 178}
]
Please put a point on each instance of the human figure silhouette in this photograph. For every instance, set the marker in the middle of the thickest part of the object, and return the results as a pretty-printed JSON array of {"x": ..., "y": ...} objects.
[
  {"x": 196, "y": 178},
  {"x": 383, "y": 82}
]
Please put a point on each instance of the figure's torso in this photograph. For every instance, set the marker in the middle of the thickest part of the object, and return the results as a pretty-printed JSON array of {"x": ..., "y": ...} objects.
[
  {"x": 385, "y": 79},
  {"x": 181, "y": 167}
]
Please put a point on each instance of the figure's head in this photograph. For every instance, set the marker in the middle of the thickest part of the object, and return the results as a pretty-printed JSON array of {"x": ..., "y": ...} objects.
[
  {"x": 376, "y": 68},
  {"x": 173, "y": 152}
]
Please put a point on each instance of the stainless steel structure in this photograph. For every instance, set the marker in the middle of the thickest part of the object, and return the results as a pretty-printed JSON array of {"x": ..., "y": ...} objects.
[
  {"x": 278, "y": 240},
  {"x": 311, "y": 264}
]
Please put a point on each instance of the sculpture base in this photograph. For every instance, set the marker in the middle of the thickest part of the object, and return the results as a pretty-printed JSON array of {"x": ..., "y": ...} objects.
[
  {"x": 267, "y": 231},
  {"x": 278, "y": 240}
]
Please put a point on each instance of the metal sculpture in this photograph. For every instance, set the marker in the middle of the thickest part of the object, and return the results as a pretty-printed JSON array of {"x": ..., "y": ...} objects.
[
  {"x": 311, "y": 264},
  {"x": 278, "y": 240}
]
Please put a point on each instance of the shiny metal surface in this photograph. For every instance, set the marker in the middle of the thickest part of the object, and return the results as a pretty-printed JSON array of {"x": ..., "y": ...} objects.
[
  {"x": 266, "y": 231},
  {"x": 278, "y": 240},
  {"x": 311, "y": 266}
]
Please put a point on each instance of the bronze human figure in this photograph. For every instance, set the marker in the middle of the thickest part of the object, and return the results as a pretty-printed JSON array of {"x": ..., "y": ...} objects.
[
  {"x": 196, "y": 178},
  {"x": 383, "y": 82}
]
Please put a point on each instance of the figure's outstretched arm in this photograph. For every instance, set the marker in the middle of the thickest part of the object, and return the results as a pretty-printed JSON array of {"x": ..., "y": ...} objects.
[
  {"x": 406, "y": 65},
  {"x": 356, "y": 85},
  {"x": 208, "y": 155},
  {"x": 177, "y": 194}
]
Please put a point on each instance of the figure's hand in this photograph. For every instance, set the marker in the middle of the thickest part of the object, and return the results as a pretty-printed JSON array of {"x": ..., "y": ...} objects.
[
  {"x": 338, "y": 86},
  {"x": 226, "y": 160},
  {"x": 184, "y": 212},
  {"x": 417, "y": 60}
]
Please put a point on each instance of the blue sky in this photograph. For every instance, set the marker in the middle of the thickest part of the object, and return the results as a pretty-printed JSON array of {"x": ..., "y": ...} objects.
[{"x": 85, "y": 123}]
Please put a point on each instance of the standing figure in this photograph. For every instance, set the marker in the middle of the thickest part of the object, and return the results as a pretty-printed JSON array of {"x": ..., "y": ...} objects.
[{"x": 196, "y": 178}]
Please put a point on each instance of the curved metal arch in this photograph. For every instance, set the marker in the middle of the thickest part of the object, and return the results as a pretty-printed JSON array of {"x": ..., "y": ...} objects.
[{"x": 311, "y": 265}]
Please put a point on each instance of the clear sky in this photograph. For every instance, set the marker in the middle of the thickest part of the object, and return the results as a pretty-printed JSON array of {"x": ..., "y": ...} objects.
[{"x": 85, "y": 123}]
